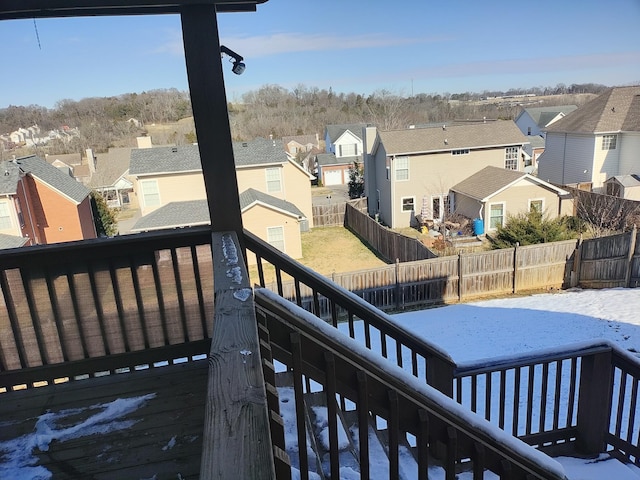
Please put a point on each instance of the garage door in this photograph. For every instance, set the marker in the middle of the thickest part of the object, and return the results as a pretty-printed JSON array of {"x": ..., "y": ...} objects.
[{"x": 333, "y": 177}]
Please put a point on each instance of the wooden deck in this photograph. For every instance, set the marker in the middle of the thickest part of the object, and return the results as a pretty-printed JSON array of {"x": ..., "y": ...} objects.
[{"x": 150, "y": 424}]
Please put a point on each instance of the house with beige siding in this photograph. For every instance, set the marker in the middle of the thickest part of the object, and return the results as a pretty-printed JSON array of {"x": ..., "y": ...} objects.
[
  {"x": 410, "y": 172},
  {"x": 168, "y": 180},
  {"x": 493, "y": 194},
  {"x": 599, "y": 140}
]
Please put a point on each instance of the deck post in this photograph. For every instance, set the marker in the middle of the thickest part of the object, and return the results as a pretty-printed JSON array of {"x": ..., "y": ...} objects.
[
  {"x": 211, "y": 117},
  {"x": 594, "y": 402},
  {"x": 237, "y": 438}
]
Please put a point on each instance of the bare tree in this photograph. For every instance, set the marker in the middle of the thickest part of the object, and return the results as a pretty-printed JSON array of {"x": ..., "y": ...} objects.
[{"x": 606, "y": 214}]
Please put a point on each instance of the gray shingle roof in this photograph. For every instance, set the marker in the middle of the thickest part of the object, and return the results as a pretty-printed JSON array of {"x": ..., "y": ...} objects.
[
  {"x": 543, "y": 115},
  {"x": 325, "y": 159},
  {"x": 11, "y": 241},
  {"x": 627, "y": 180},
  {"x": 110, "y": 167},
  {"x": 335, "y": 131},
  {"x": 250, "y": 196},
  {"x": 478, "y": 135},
  {"x": 196, "y": 212},
  {"x": 487, "y": 182},
  {"x": 186, "y": 158},
  {"x": 37, "y": 167},
  {"x": 9, "y": 176},
  {"x": 617, "y": 109}
]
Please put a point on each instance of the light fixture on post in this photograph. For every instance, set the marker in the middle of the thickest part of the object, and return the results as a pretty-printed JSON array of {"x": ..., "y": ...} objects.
[{"x": 238, "y": 64}]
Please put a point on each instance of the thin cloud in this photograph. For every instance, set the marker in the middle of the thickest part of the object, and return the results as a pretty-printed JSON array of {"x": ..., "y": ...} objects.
[{"x": 266, "y": 45}]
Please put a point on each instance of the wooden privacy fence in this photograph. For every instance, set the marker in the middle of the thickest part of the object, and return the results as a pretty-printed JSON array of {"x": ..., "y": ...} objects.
[
  {"x": 389, "y": 244},
  {"x": 608, "y": 262},
  {"x": 334, "y": 215},
  {"x": 456, "y": 278}
]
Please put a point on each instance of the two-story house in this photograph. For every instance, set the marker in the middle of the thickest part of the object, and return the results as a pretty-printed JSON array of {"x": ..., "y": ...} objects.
[
  {"x": 535, "y": 120},
  {"x": 410, "y": 172},
  {"x": 41, "y": 204},
  {"x": 276, "y": 190},
  {"x": 343, "y": 145},
  {"x": 599, "y": 140}
]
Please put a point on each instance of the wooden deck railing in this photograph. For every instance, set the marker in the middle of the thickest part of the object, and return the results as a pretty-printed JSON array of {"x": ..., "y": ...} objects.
[
  {"x": 368, "y": 387},
  {"x": 400, "y": 345}
]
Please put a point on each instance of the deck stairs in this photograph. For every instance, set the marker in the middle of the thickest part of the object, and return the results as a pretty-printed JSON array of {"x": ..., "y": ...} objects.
[{"x": 317, "y": 447}]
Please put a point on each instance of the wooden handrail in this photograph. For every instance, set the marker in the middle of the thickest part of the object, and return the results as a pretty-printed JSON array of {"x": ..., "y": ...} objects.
[
  {"x": 439, "y": 365},
  {"x": 318, "y": 344}
]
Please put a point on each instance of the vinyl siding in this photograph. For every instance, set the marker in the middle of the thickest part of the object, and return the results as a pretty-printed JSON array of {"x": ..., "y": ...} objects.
[
  {"x": 629, "y": 161},
  {"x": 175, "y": 187},
  {"x": 435, "y": 174},
  {"x": 516, "y": 198},
  {"x": 578, "y": 158},
  {"x": 605, "y": 162},
  {"x": 550, "y": 162},
  {"x": 258, "y": 218}
]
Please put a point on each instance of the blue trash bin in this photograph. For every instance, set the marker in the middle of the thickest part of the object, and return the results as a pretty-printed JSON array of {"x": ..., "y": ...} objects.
[{"x": 478, "y": 226}]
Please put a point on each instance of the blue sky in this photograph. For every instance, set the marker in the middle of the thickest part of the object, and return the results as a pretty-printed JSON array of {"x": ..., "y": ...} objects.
[{"x": 419, "y": 46}]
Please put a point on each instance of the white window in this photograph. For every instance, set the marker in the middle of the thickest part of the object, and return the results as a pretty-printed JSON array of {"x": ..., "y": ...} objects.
[
  {"x": 496, "y": 215},
  {"x": 275, "y": 237},
  {"x": 150, "y": 192},
  {"x": 5, "y": 216},
  {"x": 408, "y": 204},
  {"x": 402, "y": 168},
  {"x": 274, "y": 182},
  {"x": 536, "y": 205},
  {"x": 609, "y": 142},
  {"x": 511, "y": 158},
  {"x": 349, "y": 150}
]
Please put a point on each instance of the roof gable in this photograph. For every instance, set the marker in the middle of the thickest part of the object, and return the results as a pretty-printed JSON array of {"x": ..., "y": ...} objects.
[
  {"x": 442, "y": 139},
  {"x": 490, "y": 181},
  {"x": 543, "y": 115},
  {"x": 615, "y": 110},
  {"x": 250, "y": 197},
  {"x": 334, "y": 132},
  {"x": 54, "y": 178}
]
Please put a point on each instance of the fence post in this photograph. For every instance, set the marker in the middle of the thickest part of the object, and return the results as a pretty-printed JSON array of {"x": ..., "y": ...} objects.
[
  {"x": 399, "y": 302},
  {"x": 577, "y": 260},
  {"x": 632, "y": 249},
  {"x": 594, "y": 402},
  {"x": 460, "y": 276},
  {"x": 515, "y": 267}
]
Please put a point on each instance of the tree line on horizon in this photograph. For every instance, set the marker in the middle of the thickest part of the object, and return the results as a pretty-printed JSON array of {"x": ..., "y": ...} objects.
[{"x": 103, "y": 122}]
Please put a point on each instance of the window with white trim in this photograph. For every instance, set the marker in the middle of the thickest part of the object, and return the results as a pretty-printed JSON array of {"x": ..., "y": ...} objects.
[
  {"x": 274, "y": 179},
  {"x": 536, "y": 205},
  {"x": 348, "y": 150},
  {"x": 609, "y": 142},
  {"x": 496, "y": 215},
  {"x": 408, "y": 204},
  {"x": 150, "y": 193},
  {"x": 5, "y": 216},
  {"x": 402, "y": 168},
  {"x": 511, "y": 158},
  {"x": 275, "y": 237}
]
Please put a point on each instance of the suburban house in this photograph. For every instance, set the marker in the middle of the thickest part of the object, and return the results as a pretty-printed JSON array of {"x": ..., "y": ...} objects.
[
  {"x": 599, "y": 140},
  {"x": 278, "y": 221},
  {"x": 623, "y": 186},
  {"x": 411, "y": 171},
  {"x": 40, "y": 204},
  {"x": 296, "y": 144},
  {"x": 111, "y": 178},
  {"x": 494, "y": 193},
  {"x": 281, "y": 189},
  {"x": 343, "y": 145},
  {"x": 535, "y": 120}
]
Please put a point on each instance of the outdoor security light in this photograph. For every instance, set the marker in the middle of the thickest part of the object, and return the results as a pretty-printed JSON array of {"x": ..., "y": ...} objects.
[{"x": 238, "y": 64}]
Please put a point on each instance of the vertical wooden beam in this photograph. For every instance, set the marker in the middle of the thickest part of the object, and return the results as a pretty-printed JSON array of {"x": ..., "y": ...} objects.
[
  {"x": 632, "y": 249},
  {"x": 211, "y": 117},
  {"x": 236, "y": 438}
]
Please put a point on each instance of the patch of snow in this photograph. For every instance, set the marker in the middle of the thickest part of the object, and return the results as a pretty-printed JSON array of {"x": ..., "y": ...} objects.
[
  {"x": 170, "y": 444},
  {"x": 242, "y": 294},
  {"x": 18, "y": 455},
  {"x": 322, "y": 424}
]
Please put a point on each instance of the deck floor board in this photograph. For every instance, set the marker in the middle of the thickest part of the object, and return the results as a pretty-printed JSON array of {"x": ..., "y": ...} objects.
[{"x": 134, "y": 437}]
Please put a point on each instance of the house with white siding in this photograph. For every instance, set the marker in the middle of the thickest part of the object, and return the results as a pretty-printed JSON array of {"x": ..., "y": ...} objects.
[
  {"x": 343, "y": 144},
  {"x": 599, "y": 140}
]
